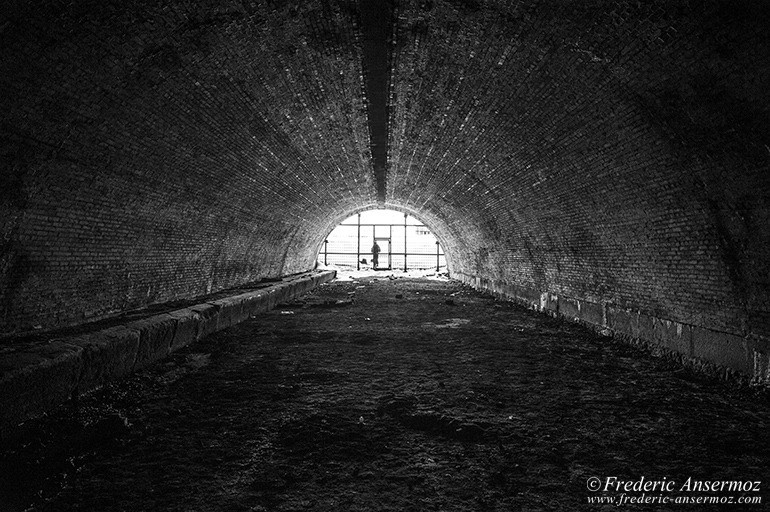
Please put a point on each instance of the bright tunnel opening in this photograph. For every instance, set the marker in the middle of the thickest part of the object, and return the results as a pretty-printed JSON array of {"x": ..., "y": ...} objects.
[{"x": 404, "y": 243}]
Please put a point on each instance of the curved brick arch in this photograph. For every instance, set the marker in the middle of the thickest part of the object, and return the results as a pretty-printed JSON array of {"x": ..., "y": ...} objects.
[
  {"x": 615, "y": 155},
  {"x": 597, "y": 147},
  {"x": 171, "y": 150}
]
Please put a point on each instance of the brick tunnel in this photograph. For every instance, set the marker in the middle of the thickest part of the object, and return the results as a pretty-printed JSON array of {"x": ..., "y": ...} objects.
[{"x": 604, "y": 162}]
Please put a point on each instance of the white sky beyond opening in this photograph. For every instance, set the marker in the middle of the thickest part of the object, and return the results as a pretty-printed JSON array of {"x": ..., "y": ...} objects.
[{"x": 406, "y": 244}]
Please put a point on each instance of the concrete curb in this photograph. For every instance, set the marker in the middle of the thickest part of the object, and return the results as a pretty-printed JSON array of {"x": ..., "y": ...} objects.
[
  {"x": 724, "y": 355},
  {"x": 34, "y": 380}
]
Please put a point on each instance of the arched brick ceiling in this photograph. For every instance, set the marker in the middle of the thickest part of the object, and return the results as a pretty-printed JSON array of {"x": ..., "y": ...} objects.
[
  {"x": 173, "y": 148},
  {"x": 614, "y": 151}
]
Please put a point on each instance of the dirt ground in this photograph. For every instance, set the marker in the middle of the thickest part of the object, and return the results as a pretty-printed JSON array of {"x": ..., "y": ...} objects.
[{"x": 392, "y": 395}]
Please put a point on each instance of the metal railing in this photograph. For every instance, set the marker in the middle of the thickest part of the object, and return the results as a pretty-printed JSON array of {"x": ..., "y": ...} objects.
[{"x": 386, "y": 239}]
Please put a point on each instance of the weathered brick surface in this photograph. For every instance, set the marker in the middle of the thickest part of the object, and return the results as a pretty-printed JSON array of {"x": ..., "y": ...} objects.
[
  {"x": 170, "y": 149},
  {"x": 613, "y": 153}
]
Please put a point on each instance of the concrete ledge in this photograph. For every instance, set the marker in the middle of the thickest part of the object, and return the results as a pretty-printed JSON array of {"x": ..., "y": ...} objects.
[
  {"x": 36, "y": 379},
  {"x": 728, "y": 356},
  {"x": 106, "y": 355}
]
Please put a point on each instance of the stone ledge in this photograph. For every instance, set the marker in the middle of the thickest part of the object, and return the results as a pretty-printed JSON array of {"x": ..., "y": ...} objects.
[
  {"x": 725, "y": 355},
  {"x": 36, "y": 379}
]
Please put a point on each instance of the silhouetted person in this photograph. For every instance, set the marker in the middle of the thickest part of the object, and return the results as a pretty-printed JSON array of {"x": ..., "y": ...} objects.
[{"x": 375, "y": 254}]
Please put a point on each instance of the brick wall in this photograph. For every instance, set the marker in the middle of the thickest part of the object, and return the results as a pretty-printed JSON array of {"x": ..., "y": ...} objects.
[
  {"x": 613, "y": 152},
  {"x": 166, "y": 150},
  {"x": 616, "y": 152}
]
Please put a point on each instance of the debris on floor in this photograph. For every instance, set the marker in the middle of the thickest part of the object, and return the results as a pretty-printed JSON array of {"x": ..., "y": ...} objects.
[{"x": 388, "y": 405}]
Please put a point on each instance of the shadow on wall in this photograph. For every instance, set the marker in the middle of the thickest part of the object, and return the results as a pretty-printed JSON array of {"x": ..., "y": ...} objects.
[
  {"x": 15, "y": 264},
  {"x": 15, "y": 269}
]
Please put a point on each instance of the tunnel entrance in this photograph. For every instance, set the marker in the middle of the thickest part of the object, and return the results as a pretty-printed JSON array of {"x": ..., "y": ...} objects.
[{"x": 404, "y": 243}]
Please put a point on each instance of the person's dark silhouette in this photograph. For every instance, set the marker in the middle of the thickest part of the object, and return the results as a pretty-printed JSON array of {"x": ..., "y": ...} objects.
[{"x": 375, "y": 254}]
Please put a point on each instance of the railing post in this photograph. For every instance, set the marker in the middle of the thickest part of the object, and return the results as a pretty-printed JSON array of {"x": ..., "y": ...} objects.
[
  {"x": 438, "y": 253},
  {"x": 405, "y": 250},
  {"x": 326, "y": 250},
  {"x": 358, "y": 246}
]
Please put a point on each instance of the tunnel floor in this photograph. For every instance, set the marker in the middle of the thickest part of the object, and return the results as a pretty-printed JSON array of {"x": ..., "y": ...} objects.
[{"x": 393, "y": 394}]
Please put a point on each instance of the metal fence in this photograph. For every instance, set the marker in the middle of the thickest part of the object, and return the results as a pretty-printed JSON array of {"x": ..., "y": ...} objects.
[{"x": 402, "y": 246}]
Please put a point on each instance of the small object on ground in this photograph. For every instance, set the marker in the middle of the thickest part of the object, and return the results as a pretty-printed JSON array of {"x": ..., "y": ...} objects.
[
  {"x": 287, "y": 312},
  {"x": 195, "y": 361},
  {"x": 399, "y": 296}
]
